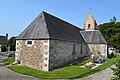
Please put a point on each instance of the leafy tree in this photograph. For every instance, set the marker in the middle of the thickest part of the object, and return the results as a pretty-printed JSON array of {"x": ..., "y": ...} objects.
[
  {"x": 111, "y": 32},
  {"x": 12, "y": 43},
  {"x": 3, "y": 48},
  {"x": 116, "y": 71},
  {"x": 113, "y": 20}
]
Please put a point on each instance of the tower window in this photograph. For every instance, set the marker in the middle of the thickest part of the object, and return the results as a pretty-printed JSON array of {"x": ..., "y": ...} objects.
[{"x": 88, "y": 26}]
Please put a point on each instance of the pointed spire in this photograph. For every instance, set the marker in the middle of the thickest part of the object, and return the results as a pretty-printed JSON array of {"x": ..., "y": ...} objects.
[{"x": 90, "y": 23}]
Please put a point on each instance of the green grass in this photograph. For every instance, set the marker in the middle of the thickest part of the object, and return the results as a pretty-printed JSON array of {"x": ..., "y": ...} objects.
[
  {"x": 109, "y": 63},
  {"x": 9, "y": 61},
  {"x": 70, "y": 72},
  {"x": 66, "y": 72}
]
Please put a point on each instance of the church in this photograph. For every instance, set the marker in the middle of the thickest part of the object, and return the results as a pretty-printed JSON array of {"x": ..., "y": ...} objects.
[{"x": 49, "y": 43}]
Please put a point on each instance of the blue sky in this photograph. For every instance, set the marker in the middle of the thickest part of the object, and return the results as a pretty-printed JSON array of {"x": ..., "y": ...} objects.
[{"x": 16, "y": 15}]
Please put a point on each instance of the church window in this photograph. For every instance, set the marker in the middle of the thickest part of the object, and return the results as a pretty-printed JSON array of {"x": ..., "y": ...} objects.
[
  {"x": 88, "y": 26},
  {"x": 29, "y": 42}
]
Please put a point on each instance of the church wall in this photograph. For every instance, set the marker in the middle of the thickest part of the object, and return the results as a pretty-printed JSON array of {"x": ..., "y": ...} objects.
[
  {"x": 35, "y": 55},
  {"x": 102, "y": 48},
  {"x": 65, "y": 52}
]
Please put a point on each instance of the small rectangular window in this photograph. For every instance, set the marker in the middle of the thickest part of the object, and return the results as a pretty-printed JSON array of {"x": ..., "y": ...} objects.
[{"x": 29, "y": 42}]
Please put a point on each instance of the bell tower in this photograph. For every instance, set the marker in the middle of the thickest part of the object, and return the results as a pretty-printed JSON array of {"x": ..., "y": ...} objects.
[{"x": 90, "y": 23}]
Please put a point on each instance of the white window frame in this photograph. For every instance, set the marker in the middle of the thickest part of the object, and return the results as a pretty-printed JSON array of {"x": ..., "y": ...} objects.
[{"x": 29, "y": 45}]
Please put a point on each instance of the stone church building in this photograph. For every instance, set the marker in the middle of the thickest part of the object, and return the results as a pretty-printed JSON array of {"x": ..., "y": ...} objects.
[{"x": 49, "y": 42}]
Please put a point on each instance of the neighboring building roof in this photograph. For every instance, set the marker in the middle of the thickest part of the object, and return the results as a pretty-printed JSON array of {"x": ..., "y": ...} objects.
[
  {"x": 47, "y": 26},
  {"x": 3, "y": 40},
  {"x": 93, "y": 37}
]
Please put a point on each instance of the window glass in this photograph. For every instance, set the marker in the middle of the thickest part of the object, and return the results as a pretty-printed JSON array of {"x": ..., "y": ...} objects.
[{"x": 29, "y": 42}]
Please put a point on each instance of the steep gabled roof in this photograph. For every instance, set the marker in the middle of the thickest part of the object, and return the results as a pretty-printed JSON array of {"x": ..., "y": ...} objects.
[
  {"x": 47, "y": 26},
  {"x": 92, "y": 37},
  {"x": 36, "y": 30},
  {"x": 3, "y": 40}
]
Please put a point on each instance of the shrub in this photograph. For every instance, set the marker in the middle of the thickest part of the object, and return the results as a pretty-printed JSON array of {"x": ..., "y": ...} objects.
[
  {"x": 116, "y": 71},
  {"x": 3, "y": 48}
]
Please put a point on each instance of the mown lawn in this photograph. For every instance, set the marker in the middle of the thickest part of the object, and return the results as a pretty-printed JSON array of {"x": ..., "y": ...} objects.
[
  {"x": 66, "y": 72},
  {"x": 9, "y": 61},
  {"x": 70, "y": 72}
]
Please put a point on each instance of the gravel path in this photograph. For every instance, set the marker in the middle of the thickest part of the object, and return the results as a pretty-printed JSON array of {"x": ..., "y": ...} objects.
[
  {"x": 7, "y": 74},
  {"x": 102, "y": 75}
]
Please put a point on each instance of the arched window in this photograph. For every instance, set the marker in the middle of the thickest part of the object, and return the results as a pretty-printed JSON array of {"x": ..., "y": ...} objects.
[{"x": 88, "y": 26}]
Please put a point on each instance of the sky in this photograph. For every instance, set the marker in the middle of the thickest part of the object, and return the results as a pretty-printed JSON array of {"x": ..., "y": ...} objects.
[{"x": 16, "y": 15}]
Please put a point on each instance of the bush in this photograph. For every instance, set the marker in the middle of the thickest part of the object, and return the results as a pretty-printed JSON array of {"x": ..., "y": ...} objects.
[
  {"x": 3, "y": 48},
  {"x": 116, "y": 71}
]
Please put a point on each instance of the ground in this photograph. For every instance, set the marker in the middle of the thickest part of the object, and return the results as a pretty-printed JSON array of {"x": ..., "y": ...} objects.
[
  {"x": 7, "y": 74},
  {"x": 102, "y": 75}
]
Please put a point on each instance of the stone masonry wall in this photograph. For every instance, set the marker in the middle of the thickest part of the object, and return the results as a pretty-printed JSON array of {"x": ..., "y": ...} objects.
[
  {"x": 65, "y": 52},
  {"x": 35, "y": 56},
  {"x": 90, "y": 21},
  {"x": 102, "y": 48}
]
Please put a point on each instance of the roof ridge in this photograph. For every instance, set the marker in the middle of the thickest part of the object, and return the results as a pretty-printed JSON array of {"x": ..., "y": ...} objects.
[
  {"x": 61, "y": 20},
  {"x": 48, "y": 26},
  {"x": 46, "y": 22}
]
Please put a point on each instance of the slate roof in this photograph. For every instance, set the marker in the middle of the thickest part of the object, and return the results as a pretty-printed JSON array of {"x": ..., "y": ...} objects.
[
  {"x": 93, "y": 37},
  {"x": 3, "y": 40},
  {"x": 47, "y": 26}
]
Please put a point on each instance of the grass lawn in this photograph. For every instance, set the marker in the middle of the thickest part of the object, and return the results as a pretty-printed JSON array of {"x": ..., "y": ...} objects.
[
  {"x": 70, "y": 72},
  {"x": 9, "y": 61}
]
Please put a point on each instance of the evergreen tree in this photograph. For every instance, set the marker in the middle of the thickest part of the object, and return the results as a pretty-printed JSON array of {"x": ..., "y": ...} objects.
[
  {"x": 12, "y": 43},
  {"x": 3, "y": 48}
]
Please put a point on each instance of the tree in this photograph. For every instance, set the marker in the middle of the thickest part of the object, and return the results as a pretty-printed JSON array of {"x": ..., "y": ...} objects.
[
  {"x": 116, "y": 71},
  {"x": 113, "y": 20},
  {"x": 12, "y": 43},
  {"x": 111, "y": 32},
  {"x": 3, "y": 48}
]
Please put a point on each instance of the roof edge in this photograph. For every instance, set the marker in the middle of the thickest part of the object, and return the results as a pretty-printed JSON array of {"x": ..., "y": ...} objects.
[
  {"x": 61, "y": 19},
  {"x": 50, "y": 39}
]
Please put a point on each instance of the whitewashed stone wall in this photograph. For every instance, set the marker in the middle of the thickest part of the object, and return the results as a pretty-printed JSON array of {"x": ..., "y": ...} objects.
[
  {"x": 35, "y": 56},
  {"x": 102, "y": 48},
  {"x": 65, "y": 52}
]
